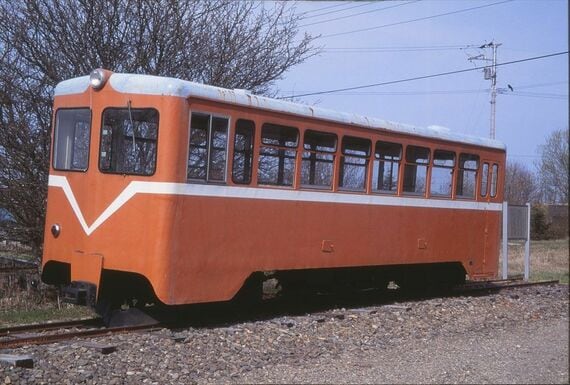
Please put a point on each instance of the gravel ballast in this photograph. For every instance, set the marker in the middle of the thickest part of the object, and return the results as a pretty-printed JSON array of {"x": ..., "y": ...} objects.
[{"x": 518, "y": 335}]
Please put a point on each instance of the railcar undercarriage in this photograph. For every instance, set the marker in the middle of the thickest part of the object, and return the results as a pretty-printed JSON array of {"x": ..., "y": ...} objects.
[{"x": 123, "y": 296}]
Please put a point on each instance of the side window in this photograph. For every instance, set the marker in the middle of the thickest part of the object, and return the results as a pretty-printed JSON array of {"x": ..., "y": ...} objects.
[
  {"x": 129, "y": 141},
  {"x": 441, "y": 180},
  {"x": 415, "y": 170},
  {"x": 484, "y": 179},
  {"x": 243, "y": 151},
  {"x": 387, "y": 157},
  {"x": 354, "y": 163},
  {"x": 494, "y": 177},
  {"x": 277, "y": 155},
  {"x": 207, "y": 148},
  {"x": 317, "y": 165},
  {"x": 71, "y": 139},
  {"x": 467, "y": 176}
]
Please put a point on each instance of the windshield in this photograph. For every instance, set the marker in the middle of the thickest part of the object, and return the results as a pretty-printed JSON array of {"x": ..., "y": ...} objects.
[
  {"x": 128, "y": 141},
  {"x": 71, "y": 139}
]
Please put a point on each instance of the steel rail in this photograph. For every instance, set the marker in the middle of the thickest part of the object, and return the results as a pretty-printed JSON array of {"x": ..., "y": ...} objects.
[
  {"x": 499, "y": 285},
  {"x": 51, "y": 338},
  {"x": 16, "y": 269},
  {"x": 49, "y": 326}
]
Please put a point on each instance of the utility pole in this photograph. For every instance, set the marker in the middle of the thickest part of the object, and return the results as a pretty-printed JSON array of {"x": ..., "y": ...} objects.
[{"x": 490, "y": 73}]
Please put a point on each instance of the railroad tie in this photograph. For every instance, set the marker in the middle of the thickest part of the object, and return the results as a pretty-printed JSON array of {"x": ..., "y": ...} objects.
[
  {"x": 101, "y": 348},
  {"x": 17, "y": 360}
]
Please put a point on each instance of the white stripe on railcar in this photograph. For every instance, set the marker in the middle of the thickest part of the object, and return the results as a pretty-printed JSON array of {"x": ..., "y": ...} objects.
[{"x": 164, "y": 188}]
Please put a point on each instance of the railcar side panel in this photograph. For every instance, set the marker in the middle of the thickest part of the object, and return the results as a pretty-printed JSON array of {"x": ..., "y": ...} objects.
[{"x": 216, "y": 239}]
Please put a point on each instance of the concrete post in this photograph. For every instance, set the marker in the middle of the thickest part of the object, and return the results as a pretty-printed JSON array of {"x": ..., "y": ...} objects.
[
  {"x": 505, "y": 240},
  {"x": 527, "y": 246}
]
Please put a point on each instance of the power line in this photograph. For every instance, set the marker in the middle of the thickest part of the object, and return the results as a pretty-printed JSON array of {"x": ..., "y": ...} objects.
[
  {"x": 539, "y": 95},
  {"x": 452, "y": 92},
  {"x": 457, "y": 92},
  {"x": 471, "y": 91},
  {"x": 541, "y": 85},
  {"x": 410, "y": 93},
  {"x": 358, "y": 14},
  {"x": 321, "y": 9},
  {"x": 418, "y": 19},
  {"x": 522, "y": 156},
  {"x": 334, "y": 6},
  {"x": 424, "y": 77},
  {"x": 395, "y": 49}
]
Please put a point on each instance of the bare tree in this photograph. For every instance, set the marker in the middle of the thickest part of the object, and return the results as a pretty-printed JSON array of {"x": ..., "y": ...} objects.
[
  {"x": 520, "y": 184},
  {"x": 553, "y": 168},
  {"x": 233, "y": 44}
]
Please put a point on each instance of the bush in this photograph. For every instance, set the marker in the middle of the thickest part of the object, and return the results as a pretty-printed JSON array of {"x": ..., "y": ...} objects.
[{"x": 539, "y": 225}]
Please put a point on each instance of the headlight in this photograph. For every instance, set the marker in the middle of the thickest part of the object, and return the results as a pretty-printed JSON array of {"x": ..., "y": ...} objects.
[
  {"x": 55, "y": 230},
  {"x": 97, "y": 78}
]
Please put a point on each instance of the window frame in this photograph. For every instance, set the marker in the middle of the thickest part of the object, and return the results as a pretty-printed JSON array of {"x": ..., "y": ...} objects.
[
  {"x": 485, "y": 169},
  {"x": 494, "y": 184},
  {"x": 373, "y": 188},
  {"x": 156, "y": 140},
  {"x": 427, "y": 165},
  {"x": 446, "y": 167},
  {"x": 366, "y": 165},
  {"x": 284, "y": 148},
  {"x": 206, "y": 179},
  {"x": 315, "y": 151},
  {"x": 252, "y": 150},
  {"x": 54, "y": 139},
  {"x": 460, "y": 172}
]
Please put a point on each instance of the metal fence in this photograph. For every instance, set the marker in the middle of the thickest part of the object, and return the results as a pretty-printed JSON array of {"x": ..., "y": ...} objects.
[{"x": 516, "y": 226}]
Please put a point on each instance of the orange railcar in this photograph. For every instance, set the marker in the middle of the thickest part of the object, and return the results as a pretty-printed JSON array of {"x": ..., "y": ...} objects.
[{"x": 179, "y": 191}]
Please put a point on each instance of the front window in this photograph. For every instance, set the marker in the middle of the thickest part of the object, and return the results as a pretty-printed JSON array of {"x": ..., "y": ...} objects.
[
  {"x": 71, "y": 139},
  {"x": 128, "y": 141}
]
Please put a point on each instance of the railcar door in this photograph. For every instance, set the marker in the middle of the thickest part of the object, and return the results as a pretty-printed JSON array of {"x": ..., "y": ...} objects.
[{"x": 488, "y": 193}]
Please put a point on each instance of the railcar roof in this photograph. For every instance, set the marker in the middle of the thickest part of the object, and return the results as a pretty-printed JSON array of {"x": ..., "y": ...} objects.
[{"x": 155, "y": 85}]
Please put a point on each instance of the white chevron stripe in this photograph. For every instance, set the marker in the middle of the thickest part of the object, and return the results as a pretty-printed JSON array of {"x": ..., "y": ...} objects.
[{"x": 164, "y": 188}]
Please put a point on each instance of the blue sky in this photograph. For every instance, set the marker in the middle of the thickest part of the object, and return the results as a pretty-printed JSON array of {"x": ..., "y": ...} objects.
[{"x": 525, "y": 28}]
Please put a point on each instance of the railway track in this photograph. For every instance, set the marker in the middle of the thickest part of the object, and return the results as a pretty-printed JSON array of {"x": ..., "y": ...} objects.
[
  {"x": 17, "y": 336},
  {"x": 8, "y": 331},
  {"x": 499, "y": 284},
  {"x": 13, "y": 265},
  {"x": 16, "y": 269},
  {"x": 37, "y": 334}
]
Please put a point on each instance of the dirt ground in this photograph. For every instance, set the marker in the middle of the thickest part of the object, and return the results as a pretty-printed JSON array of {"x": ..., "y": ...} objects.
[{"x": 520, "y": 355}]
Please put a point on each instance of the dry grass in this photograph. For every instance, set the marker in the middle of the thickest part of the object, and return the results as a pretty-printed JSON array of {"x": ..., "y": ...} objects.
[
  {"x": 23, "y": 303},
  {"x": 40, "y": 315},
  {"x": 548, "y": 260},
  {"x": 30, "y": 305}
]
